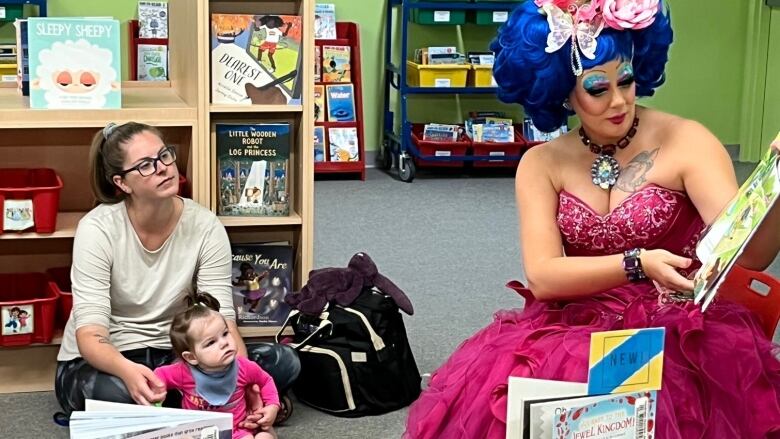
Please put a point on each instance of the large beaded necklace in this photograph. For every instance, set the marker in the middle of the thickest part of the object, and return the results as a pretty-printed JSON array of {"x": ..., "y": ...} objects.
[{"x": 605, "y": 169}]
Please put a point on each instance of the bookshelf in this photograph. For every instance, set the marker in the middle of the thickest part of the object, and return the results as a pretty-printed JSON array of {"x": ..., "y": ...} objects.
[
  {"x": 347, "y": 34},
  {"x": 181, "y": 109},
  {"x": 297, "y": 228}
]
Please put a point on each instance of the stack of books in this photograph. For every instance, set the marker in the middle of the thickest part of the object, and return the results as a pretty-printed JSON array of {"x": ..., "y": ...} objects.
[
  {"x": 437, "y": 132},
  {"x": 490, "y": 126}
]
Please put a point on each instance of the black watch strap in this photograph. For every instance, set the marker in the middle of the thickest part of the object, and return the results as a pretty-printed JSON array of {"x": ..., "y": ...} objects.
[{"x": 633, "y": 265}]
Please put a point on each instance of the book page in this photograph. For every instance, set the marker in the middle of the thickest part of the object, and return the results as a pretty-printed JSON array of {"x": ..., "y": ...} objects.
[
  {"x": 522, "y": 390},
  {"x": 726, "y": 238}
]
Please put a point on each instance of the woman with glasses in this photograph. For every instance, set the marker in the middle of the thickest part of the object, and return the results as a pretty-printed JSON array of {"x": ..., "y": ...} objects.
[{"x": 136, "y": 256}]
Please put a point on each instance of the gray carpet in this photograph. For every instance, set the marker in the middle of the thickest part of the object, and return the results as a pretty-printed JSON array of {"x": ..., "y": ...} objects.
[{"x": 449, "y": 240}]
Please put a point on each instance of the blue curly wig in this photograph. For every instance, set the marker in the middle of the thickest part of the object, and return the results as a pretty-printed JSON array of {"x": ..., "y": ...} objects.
[{"x": 541, "y": 81}]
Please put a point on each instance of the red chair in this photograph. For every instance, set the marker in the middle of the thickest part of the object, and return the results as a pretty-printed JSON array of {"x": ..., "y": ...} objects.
[{"x": 738, "y": 288}]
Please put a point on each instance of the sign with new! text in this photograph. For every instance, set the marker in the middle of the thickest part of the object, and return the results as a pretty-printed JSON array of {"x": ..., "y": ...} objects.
[{"x": 628, "y": 360}]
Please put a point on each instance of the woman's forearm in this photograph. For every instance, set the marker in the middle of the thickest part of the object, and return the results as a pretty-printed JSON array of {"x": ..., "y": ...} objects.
[
  {"x": 578, "y": 276},
  {"x": 765, "y": 243},
  {"x": 95, "y": 347},
  {"x": 240, "y": 346}
]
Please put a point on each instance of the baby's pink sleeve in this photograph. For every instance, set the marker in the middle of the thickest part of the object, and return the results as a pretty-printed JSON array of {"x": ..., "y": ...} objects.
[
  {"x": 171, "y": 376},
  {"x": 256, "y": 375}
]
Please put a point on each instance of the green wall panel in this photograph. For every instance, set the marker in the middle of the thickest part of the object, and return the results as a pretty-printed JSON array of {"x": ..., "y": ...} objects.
[
  {"x": 705, "y": 71},
  {"x": 122, "y": 10}
]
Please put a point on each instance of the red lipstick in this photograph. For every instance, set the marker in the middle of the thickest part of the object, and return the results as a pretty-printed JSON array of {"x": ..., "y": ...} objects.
[{"x": 617, "y": 120}]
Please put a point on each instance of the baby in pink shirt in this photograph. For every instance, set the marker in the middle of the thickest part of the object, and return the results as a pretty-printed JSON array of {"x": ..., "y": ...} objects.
[{"x": 209, "y": 374}]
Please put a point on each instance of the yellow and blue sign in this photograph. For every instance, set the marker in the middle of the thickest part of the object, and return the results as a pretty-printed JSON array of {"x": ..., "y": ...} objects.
[{"x": 629, "y": 360}]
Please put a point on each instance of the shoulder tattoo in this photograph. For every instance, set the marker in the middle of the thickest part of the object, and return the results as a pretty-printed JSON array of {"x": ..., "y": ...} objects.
[{"x": 632, "y": 176}]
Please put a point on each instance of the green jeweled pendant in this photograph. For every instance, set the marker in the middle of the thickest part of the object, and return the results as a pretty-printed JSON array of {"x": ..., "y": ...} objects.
[{"x": 605, "y": 171}]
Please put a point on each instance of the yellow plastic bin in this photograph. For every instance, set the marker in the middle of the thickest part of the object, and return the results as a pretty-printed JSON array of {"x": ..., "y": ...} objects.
[
  {"x": 436, "y": 75},
  {"x": 481, "y": 76}
]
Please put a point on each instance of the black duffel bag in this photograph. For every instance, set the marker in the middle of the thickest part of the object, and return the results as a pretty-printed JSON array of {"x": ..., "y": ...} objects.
[{"x": 356, "y": 359}]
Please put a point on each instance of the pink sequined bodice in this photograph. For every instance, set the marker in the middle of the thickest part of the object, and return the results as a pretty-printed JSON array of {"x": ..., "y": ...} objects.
[{"x": 653, "y": 217}]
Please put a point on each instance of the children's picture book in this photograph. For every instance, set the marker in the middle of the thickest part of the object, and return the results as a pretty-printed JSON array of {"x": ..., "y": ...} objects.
[
  {"x": 111, "y": 420},
  {"x": 253, "y": 163},
  {"x": 18, "y": 215},
  {"x": 17, "y": 319},
  {"x": 725, "y": 239},
  {"x": 336, "y": 64},
  {"x": 255, "y": 59},
  {"x": 534, "y": 134},
  {"x": 319, "y": 144},
  {"x": 615, "y": 416},
  {"x": 262, "y": 278},
  {"x": 341, "y": 102},
  {"x": 343, "y": 144},
  {"x": 319, "y": 103},
  {"x": 325, "y": 21},
  {"x": 524, "y": 391},
  {"x": 317, "y": 63},
  {"x": 23, "y": 57},
  {"x": 152, "y": 19},
  {"x": 152, "y": 62},
  {"x": 75, "y": 63}
]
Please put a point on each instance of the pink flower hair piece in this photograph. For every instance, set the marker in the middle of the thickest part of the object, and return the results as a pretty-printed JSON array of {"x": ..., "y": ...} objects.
[{"x": 629, "y": 14}]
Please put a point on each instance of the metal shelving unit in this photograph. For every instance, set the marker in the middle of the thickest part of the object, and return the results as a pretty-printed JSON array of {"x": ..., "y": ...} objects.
[{"x": 397, "y": 148}]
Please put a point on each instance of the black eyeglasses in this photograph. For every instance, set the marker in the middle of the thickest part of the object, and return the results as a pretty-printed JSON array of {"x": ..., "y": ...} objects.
[{"x": 148, "y": 166}]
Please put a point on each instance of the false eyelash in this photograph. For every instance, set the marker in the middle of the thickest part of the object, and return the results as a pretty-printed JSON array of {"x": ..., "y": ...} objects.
[
  {"x": 596, "y": 91},
  {"x": 628, "y": 81}
]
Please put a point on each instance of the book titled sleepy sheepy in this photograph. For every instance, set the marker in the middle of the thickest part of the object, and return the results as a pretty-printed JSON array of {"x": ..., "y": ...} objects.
[{"x": 75, "y": 63}]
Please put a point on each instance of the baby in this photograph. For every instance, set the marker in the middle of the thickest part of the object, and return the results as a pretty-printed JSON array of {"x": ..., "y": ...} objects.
[{"x": 209, "y": 374}]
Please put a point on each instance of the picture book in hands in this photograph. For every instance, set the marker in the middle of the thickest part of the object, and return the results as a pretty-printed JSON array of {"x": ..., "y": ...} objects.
[
  {"x": 725, "y": 239},
  {"x": 111, "y": 420}
]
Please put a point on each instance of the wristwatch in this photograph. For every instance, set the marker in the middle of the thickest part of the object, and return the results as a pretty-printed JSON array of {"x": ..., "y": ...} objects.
[{"x": 633, "y": 265}]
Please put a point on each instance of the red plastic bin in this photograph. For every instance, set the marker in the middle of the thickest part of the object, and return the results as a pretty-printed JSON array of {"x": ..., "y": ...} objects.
[
  {"x": 28, "y": 304},
  {"x": 499, "y": 150},
  {"x": 41, "y": 185},
  {"x": 61, "y": 278},
  {"x": 430, "y": 148}
]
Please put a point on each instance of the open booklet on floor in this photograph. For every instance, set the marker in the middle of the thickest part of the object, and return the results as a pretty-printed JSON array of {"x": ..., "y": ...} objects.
[
  {"x": 108, "y": 420},
  {"x": 725, "y": 239}
]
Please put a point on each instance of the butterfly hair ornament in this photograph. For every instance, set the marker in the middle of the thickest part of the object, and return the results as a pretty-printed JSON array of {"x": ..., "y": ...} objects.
[{"x": 581, "y": 21}]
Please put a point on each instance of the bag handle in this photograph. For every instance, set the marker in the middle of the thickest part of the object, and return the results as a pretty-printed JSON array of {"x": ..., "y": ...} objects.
[
  {"x": 376, "y": 340},
  {"x": 324, "y": 324}
]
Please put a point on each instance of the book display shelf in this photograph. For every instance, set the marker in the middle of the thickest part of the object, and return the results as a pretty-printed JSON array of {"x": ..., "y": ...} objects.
[
  {"x": 347, "y": 34},
  {"x": 181, "y": 109}
]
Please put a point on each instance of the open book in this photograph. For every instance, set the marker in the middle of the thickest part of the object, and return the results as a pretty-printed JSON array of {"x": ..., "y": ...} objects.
[
  {"x": 725, "y": 239},
  {"x": 110, "y": 420},
  {"x": 545, "y": 409}
]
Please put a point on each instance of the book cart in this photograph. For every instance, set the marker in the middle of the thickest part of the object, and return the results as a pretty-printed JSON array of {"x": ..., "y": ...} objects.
[
  {"x": 402, "y": 146},
  {"x": 180, "y": 108},
  {"x": 347, "y": 34}
]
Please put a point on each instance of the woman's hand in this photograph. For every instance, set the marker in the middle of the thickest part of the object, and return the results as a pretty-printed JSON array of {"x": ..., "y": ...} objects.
[
  {"x": 254, "y": 408},
  {"x": 776, "y": 144},
  {"x": 142, "y": 384},
  {"x": 661, "y": 267}
]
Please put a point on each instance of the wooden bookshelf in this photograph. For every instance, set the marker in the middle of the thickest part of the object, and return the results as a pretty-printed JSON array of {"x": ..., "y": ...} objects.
[
  {"x": 181, "y": 109},
  {"x": 221, "y": 108},
  {"x": 153, "y": 103}
]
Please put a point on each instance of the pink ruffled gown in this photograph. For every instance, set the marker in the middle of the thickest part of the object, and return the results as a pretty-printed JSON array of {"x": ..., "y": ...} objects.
[{"x": 721, "y": 376}]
